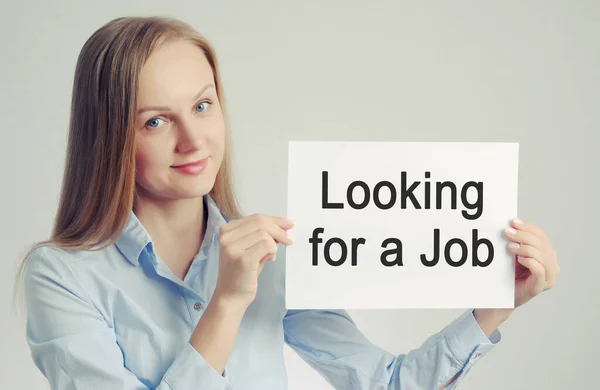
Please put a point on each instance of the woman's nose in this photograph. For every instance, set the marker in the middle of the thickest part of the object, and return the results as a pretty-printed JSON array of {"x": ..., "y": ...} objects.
[{"x": 190, "y": 135}]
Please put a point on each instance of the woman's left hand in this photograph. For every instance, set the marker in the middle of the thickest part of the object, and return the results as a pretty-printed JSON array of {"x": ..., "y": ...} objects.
[{"x": 536, "y": 268}]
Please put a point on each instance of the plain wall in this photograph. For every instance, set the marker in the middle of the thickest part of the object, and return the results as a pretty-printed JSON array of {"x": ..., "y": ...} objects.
[{"x": 351, "y": 70}]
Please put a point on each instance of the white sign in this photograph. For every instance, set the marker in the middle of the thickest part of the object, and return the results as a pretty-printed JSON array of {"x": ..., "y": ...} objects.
[{"x": 384, "y": 225}]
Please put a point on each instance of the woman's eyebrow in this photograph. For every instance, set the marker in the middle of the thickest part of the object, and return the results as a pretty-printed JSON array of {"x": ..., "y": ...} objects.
[
  {"x": 163, "y": 108},
  {"x": 207, "y": 86}
]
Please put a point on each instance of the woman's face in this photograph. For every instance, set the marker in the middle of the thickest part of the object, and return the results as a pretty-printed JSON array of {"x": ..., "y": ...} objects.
[{"x": 179, "y": 121}]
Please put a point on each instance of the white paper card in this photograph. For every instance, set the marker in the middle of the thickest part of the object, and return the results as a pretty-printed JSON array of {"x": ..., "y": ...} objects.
[{"x": 366, "y": 215}]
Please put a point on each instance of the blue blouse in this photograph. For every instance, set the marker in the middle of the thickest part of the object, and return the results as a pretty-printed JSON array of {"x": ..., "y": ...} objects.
[{"x": 118, "y": 318}]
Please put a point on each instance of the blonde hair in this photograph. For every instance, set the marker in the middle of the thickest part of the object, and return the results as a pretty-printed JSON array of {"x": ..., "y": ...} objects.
[{"x": 98, "y": 189}]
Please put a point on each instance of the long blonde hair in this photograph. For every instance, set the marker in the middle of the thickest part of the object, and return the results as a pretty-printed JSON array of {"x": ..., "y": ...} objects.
[{"x": 98, "y": 189}]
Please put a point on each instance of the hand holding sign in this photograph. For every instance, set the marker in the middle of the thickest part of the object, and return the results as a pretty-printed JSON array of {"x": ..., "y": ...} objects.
[
  {"x": 537, "y": 267},
  {"x": 245, "y": 245},
  {"x": 536, "y": 270}
]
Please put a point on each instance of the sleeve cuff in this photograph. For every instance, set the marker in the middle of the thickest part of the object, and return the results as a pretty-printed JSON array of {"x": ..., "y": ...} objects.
[
  {"x": 467, "y": 340},
  {"x": 190, "y": 370}
]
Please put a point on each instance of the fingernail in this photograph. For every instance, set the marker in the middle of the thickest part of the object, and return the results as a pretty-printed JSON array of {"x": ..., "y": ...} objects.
[
  {"x": 513, "y": 245},
  {"x": 517, "y": 221},
  {"x": 290, "y": 237},
  {"x": 510, "y": 231},
  {"x": 520, "y": 259}
]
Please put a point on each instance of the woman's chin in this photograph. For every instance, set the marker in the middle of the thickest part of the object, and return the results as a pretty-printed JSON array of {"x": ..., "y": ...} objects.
[{"x": 195, "y": 189}]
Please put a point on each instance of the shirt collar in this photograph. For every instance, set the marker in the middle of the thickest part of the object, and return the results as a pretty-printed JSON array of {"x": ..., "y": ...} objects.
[{"x": 135, "y": 238}]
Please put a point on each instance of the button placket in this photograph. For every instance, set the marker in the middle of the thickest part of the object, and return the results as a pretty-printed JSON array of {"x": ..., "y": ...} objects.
[{"x": 193, "y": 303}]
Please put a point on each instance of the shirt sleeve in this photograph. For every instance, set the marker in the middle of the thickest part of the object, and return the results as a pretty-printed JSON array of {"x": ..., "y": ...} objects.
[
  {"x": 74, "y": 346},
  {"x": 330, "y": 342}
]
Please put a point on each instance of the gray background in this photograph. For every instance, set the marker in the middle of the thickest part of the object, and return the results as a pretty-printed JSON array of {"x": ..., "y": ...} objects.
[{"x": 350, "y": 70}]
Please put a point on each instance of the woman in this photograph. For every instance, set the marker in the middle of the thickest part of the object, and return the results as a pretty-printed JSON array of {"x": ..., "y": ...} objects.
[{"x": 153, "y": 279}]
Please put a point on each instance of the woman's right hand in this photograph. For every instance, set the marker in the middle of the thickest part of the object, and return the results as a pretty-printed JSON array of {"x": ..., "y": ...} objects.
[{"x": 245, "y": 244}]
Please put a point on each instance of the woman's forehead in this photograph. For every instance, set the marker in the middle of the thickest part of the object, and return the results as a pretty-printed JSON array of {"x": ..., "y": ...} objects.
[{"x": 175, "y": 70}]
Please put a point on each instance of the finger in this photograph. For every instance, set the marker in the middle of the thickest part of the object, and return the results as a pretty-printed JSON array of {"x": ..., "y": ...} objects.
[
  {"x": 527, "y": 226},
  {"x": 257, "y": 222},
  {"x": 552, "y": 273},
  {"x": 257, "y": 217},
  {"x": 537, "y": 270},
  {"x": 260, "y": 252},
  {"x": 524, "y": 237},
  {"x": 243, "y": 243},
  {"x": 526, "y": 251},
  {"x": 236, "y": 249},
  {"x": 550, "y": 277}
]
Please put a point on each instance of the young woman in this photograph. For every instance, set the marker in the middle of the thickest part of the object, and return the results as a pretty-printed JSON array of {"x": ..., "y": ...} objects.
[{"x": 153, "y": 278}]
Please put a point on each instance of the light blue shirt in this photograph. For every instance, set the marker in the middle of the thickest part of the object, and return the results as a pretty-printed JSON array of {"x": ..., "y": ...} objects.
[{"x": 120, "y": 319}]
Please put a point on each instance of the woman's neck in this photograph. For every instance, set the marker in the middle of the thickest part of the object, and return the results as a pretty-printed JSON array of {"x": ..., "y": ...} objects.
[{"x": 176, "y": 227}]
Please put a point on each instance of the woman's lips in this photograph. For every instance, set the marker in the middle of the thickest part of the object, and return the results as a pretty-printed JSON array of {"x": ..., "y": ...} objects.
[{"x": 192, "y": 168}]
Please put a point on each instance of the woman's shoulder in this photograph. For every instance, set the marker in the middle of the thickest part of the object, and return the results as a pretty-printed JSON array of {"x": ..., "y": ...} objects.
[
  {"x": 57, "y": 293},
  {"x": 48, "y": 278},
  {"x": 49, "y": 254},
  {"x": 47, "y": 257},
  {"x": 59, "y": 265},
  {"x": 47, "y": 264},
  {"x": 55, "y": 278}
]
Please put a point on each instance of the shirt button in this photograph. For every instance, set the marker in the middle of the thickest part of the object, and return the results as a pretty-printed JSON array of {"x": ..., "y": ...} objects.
[
  {"x": 197, "y": 306},
  {"x": 477, "y": 355}
]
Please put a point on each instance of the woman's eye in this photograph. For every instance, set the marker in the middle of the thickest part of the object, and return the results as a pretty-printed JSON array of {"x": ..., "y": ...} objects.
[
  {"x": 153, "y": 123},
  {"x": 202, "y": 106}
]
